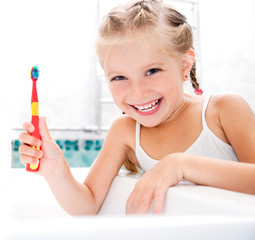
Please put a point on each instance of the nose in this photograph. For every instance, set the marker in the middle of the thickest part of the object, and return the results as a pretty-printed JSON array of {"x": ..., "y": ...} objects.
[{"x": 138, "y": 90}]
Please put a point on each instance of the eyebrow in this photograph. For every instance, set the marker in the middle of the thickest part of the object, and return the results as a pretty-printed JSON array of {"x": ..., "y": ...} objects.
[
  {"x": 148, "y": 66},
  {"x": 153, "y": 64},
  {"x": 113, "y": 73}
]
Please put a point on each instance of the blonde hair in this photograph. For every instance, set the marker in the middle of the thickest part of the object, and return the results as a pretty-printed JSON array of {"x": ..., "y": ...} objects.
[{"x": 147, "y": 21}]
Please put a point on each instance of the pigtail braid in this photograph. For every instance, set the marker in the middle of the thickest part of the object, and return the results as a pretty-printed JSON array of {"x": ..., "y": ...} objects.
[{"x": 193, "y": 77}]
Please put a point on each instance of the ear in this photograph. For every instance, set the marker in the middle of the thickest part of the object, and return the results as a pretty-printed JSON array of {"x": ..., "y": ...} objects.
[{"x": 187, "y": 63}]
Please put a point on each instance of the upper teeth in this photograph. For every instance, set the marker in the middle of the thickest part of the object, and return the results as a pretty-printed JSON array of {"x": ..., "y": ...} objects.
[{"x": 149, "y": 107}]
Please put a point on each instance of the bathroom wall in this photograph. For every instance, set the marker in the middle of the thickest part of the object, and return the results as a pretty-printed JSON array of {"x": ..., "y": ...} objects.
[
  {"x": 59, "y": 36},
  {"x": 227, "y": 39}
]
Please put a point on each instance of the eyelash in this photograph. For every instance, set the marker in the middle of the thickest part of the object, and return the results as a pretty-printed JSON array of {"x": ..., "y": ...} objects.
[
  {"x": 117, "y": 78},
  {"x": 153, "y": 70}
]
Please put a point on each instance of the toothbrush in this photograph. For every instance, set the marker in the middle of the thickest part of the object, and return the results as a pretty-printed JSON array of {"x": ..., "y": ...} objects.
[{"x": 35, "y": 114}]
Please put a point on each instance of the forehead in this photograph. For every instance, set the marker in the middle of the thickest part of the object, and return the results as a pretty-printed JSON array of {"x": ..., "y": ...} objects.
[{"x": 134, "y": 53}]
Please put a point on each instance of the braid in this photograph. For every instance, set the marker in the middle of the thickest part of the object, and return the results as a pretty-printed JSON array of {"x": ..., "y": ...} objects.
[{"x": 193, "y": 76}]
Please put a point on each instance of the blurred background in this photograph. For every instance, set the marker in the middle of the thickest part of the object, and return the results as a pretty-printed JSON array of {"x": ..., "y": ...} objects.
[{"x": 59, "y": 36}]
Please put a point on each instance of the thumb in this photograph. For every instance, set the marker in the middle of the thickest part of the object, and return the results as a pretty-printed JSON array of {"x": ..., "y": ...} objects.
[{"x": 44, "y": 131}]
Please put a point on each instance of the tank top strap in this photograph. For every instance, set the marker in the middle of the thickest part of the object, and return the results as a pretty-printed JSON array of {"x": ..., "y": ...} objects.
[
  {"x": 207, "y": 99},
  {"x": 137, "y": 134}
]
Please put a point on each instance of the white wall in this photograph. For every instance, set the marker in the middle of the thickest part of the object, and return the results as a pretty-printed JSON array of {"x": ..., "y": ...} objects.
[
  {"x": 59, "y": 36},
  {"x": 227, "y": 46}
]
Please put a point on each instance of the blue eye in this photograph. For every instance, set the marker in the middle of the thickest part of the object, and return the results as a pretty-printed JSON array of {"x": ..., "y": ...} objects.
[
  {"x": 118, "y": 78},
  {"x": 152, "y": 71}
]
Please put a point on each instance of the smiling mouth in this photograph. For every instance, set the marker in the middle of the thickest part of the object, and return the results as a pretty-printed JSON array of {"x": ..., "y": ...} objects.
[{"x": 149, "y": 107}]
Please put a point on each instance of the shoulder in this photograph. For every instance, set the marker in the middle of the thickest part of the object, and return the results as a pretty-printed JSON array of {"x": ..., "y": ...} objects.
[
  {"x": 123, "y": 128},
  {"x": 227, "y": 98},
  {"x": 228, "y": 104},
  {"x": 123, "y": 123},
  {"x": 237, "y": 120}
]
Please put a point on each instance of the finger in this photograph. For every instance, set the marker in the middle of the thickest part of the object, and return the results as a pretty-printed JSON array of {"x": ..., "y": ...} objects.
[
  {"x": 28, "y": 160},
  {"x": 132, "y": 202},
  {"x": 29, "y": 127},
  {"x": 29, "y": 140},
  {"x": 30, "y": 151},
  {"x": 129, "y": 204},
  {"x": 159, "y": 199},
  {"x": 44, "y": 131},
  {"x": 139, "y": 203},
  {"x": 144, "y": 203}
]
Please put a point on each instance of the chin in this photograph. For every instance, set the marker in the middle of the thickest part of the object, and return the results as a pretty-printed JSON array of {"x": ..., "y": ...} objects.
[{"x": 149, "y": 124}]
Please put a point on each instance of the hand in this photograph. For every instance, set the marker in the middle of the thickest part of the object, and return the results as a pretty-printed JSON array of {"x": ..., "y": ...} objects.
[
  {"x": 154, "y": 185},
  {"x": 51, "y": 157}
]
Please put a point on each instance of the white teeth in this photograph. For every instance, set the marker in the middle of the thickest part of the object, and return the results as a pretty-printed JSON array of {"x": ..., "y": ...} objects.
[{"x": 149, "y": 107}]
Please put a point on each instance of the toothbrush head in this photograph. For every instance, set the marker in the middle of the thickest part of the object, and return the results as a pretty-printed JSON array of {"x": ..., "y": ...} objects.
[{"x": 35, "y": 73}]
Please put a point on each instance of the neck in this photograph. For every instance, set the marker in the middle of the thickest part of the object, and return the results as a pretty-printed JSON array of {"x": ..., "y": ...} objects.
[{"x": 181, "y": 106}]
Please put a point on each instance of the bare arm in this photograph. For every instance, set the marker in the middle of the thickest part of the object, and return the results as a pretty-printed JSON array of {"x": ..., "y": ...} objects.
[
  {"x": 235, "y": 176},
  {"x": 237, "y": 120},
  {"x": 111, "y": 158},
  {"x": 76, "y": 198}
]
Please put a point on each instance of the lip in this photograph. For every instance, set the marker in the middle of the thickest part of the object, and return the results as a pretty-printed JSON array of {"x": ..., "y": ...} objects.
[{"x": 150, "y": 112}]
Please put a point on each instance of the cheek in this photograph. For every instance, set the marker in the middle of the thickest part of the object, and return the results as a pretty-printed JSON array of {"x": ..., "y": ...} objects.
[
  {"x": 170, "y": 88},
  {"x": 117, "y": 93}
]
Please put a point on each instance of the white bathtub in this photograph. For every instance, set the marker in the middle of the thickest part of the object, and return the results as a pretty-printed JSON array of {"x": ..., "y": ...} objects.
[{"x": 29, "y": 211}]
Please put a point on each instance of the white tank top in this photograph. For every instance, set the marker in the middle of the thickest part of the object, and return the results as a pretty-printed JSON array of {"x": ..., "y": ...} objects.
[{"x": 207, "y": 144}]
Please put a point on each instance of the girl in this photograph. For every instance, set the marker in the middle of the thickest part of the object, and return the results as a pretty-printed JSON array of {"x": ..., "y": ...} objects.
[{"x": 146, "y": 51}]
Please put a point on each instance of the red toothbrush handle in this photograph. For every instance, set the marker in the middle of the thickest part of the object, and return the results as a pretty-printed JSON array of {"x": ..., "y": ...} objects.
[
  {"x": 36, "y": 133},
  {"x": 35, "y": 122}
]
